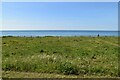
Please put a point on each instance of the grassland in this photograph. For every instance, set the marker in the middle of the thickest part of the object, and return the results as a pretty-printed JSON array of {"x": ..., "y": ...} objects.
[{"x": 60, "y": 57}]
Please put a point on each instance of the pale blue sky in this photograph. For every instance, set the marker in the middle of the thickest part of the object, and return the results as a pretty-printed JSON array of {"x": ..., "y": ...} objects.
[
  {"x": 60, "y": 15},
  {"x": 60, "y": 0}
]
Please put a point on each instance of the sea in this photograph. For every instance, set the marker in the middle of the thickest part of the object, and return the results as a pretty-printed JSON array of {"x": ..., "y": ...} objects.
[{"x": 35, "y": 33}]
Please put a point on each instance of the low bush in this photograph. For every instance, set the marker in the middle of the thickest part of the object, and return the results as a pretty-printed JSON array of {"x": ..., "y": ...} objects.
[{"x": 68, "y": 68}]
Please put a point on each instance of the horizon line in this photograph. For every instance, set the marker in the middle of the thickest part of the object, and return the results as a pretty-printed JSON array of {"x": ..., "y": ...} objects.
[{"x": 53, "y": 30}]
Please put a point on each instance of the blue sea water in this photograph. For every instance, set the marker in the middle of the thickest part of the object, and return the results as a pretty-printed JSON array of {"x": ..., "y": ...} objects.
[{"x": 57, "y": 33}]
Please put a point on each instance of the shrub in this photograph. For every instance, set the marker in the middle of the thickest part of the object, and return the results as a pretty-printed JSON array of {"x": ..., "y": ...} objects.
[
  {"x": 68, "y": 68},
  {"x": 8, "y": 67},
  {"x": 4, "y": 36}
]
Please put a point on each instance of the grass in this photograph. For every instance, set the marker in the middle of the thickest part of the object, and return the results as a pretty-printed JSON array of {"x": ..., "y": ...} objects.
[
  {"x": 16, "y": 74},
  {"x": 63, "y": 56}
]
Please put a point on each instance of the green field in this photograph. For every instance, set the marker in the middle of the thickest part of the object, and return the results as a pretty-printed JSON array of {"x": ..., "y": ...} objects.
[{"x": 60, "y": 57}]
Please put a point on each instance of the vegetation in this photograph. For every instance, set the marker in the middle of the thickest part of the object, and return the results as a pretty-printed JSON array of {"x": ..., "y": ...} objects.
[{"x": 64, "y": 56}]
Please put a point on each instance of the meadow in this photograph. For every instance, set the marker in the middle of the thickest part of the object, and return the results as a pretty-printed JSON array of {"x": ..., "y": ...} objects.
[{"x": 58, "y": 57}]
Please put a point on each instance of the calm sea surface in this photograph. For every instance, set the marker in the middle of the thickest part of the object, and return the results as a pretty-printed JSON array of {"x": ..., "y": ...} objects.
[{"x": 57, "y": 33}]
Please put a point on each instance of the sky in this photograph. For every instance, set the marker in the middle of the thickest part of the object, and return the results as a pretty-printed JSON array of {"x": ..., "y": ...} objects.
[
  {"x": 60, "y": 0},
  {"x": 60, "y": 15}
]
